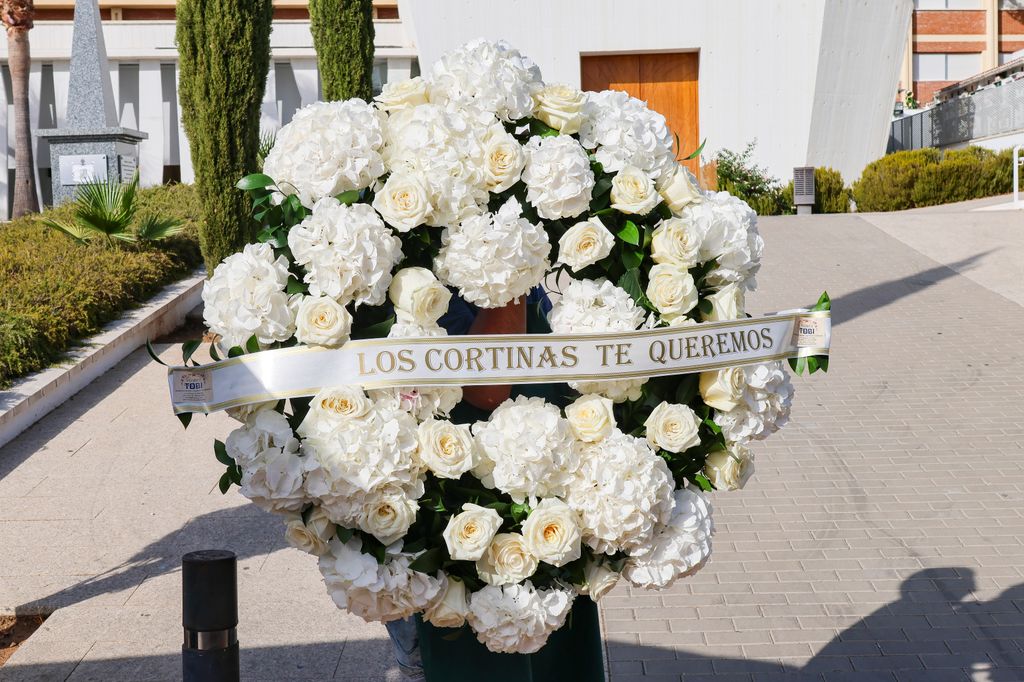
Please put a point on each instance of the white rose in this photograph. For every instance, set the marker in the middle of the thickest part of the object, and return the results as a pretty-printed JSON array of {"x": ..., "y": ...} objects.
[
  {"x": 672, "y": 291},
  {"x": 551, "y": 532},
  {"x": 469, "y": 533},
  {"x": 331, "y": 407},
  {"x": 507, "y": 560},
  {"x": 726, "y": 304},
  {"x": 311, "y": 535},
  {"x": 503, "y": 161},
  {"x": 560, "y": 107},
  {"x": 677, "y": 242},
  {"x": 388, "y": 517},
  {"x": 405, "y": 94},
  {"x": 418, "y": 296},
  {"x": 678, "y": 187},
  {"x": 673, "y": 427},
  {"x": 729, "y": 469},
  {"x": 584, "y": 244},
  {"x": 449, "y": 608},
  {"x": 723, "y": 388},
  {"x": 403, "y": 202},
  {"x": 322, "y": 321},
  {"x": 599, "y": 579},
  {"x": 591, "y": 417},
  {"x": 446, "y": 448},
  {"x": 633, "y": 192}
]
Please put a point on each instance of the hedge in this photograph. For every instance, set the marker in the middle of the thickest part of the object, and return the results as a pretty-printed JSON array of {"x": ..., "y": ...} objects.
[
  {"x": 831, "y": 195},
  {"x": 928, "y": 177},
  {"x": 57, "y": 292}
]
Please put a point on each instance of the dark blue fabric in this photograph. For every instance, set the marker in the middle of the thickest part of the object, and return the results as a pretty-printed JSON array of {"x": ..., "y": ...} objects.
[{"x": 461, "y": 313}]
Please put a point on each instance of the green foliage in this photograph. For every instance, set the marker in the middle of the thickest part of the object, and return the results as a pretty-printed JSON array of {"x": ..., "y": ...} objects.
[
  {"x": 343, "y": 37},
  {"x": 740, "y": 176},
  {"x": 56, "y": 292},
  {"x": 108, "y": 209},
  {"x": 830, "y": 194},
  {"x": 224, "y": 52}
]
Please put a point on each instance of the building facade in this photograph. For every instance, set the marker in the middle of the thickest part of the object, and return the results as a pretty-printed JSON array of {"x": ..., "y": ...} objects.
[
  {"x": 951, "y": 40},
  {"x": 810, "y": 80}
]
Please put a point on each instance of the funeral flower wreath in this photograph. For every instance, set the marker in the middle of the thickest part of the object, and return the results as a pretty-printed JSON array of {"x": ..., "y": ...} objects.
[{"x": 483, "y": 180}]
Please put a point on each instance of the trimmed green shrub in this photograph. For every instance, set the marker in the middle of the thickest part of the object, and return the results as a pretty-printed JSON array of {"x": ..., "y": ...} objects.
[
  {"x": 887, "y": 183},
  {"x": 224, "y": 56},
  {"x": 343, "y": 38},
  {"x": 740, "y": 176},
  {"x": 956, "y": 178},
  {"x": 57, "y": 292},
  {"x": 831, "y": 195}
]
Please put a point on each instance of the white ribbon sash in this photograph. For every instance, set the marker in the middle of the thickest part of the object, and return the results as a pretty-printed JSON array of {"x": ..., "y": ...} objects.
[{"x": 511, "y": 359}]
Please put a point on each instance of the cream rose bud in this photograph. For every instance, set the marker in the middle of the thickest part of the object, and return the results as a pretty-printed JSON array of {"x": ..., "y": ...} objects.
[
  {"x": 311, "y": 536},
  {"x": 729, "y": 469},
  {"x": 507, "y": 560},
  {"x": 672, "y": 291},
  {"x": 388, "y": 517},
  {"x": 673, "y": 427},
  {"x": 677, "y": 242},
  {"x": 398, "y": 95},
  {"x": 552, "y": 532},
  {"x": 418, "y": 296},
  {"x": 723, "y": 388},
  {"x": 322, "y": 321},
  {"x": 469, "y": 533},
  {"x": 503, "y": 161},
  {"x": 678, "y": 187},
  {"x": 726, "y": 304},
  {"x": 560, "y": 107},
  {"x": 450, "y": 607},
  {"x": 633, "y": 192},
  {"x": 599, "y": 580},
  {"x": 584, "y": 244},
  {"x": 446, "y": 449},
  {"x": 403, "y": 202},
  {"x": 591, "y": 417}
]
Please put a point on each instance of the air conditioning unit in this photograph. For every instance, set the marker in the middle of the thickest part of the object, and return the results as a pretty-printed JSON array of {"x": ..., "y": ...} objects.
[{"x": 803, "y": 189}]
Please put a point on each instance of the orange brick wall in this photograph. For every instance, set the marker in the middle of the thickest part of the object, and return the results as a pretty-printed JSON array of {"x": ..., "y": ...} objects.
[
  {"x": 924, "y": 91},
  {"x": 948, "y": 46},
  {"x": 938, "y": 22},
  {"x": 1011, "y": 21}
]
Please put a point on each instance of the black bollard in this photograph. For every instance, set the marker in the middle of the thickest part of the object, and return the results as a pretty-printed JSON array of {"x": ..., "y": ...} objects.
[{"x": 209, "y": 614}]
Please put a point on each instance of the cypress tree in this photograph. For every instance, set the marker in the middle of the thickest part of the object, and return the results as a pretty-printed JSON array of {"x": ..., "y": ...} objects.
[
  {"x": 343, "y": 38},
  {"x": 224, "y": 56}
]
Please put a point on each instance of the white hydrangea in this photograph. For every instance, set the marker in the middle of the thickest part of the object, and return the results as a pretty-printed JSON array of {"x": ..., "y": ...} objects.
[
  {"x": 764, "y": 407},
  {"x": 517, "y": 619},
  {"x": 263, "y": 429},
  {"x": 372, "y": 591},
  {"x": 679, "y": 548},
  {"x": 727, "y": 229},
  {"x": 246, "y": 296},
  {"x": 422, "y": 402},
  {"x": 622, "y": 491},
  {"x": 527, "y": 448},
  {"x": 626, "y": 133},
  {"x": 326, "y": 149},
  {"x": 274, "y": 480},
  {"x": 492, "y": 76},
  {"x": 347, "y": 252},
  {"x": 494, "y": 258},
  {"x": 444, "y": 152},
  {"x": 598, "y": 306},
  {"x": 558, "y": 177}
]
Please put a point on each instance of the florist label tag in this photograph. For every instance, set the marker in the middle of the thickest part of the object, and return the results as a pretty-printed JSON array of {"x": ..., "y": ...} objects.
[{"x": 512, "y": 359}]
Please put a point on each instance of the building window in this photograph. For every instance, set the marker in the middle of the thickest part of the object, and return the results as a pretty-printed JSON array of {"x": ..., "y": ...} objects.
[
  {"x": 935, "y": 66},
  {"x": 1009, "y": 56},
  {"x": 951, "y": 4}
]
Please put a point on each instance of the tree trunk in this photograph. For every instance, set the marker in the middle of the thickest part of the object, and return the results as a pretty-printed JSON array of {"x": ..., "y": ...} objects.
[
  {"x": 343, "y": 37},
  {"x": 17, "y": 16}
]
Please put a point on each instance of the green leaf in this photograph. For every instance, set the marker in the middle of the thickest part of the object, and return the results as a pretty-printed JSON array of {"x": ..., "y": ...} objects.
[
  {"x": 188, "y": 349},
  {"x": 430, "y": 561},
  {"x": 220, "y": 451},
  {"x": 235, "y": 351},
  {"x": 343, "y": 534},
  {"x": 152, "y": 228},
  {"x": 705, "y": 306},
  {"x": 152, "y": 353},
  {"x": 799, "y": 365},
  {"x": 295, "y": 286},
  {"x": 255, "y": 181},
  {"x": 214, "y": 353},
  {"x": 704, "y": 482},
  {"x": 185, "y": 418},
  {"x": 541, "y": 128},
  {"x": 697, "y": 151},
  {"x": 224, "y": 483},
  {"x": 629, "y": 233},
  {"x": 630, "y": 281},
  {"x": 603, "y": 211},
  {"x": 252, "y": 345},
  {"x": 632, "y": 258},
  {"x": 266, "y": 234},
  {"x": 375, "y": 331},
  {"x": 519, "y": 512},
  {"x": 824, "y": 302},
  {"x": 602, "y": 186},
  {"x": 348, "y": 198}
]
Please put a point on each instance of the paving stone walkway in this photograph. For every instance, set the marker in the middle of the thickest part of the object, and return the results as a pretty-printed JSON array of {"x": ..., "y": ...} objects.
[{"x": 881, "y": 538}]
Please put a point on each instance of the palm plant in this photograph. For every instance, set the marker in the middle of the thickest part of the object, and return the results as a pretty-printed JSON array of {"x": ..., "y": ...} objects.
[{"x": 107, "y": 210}]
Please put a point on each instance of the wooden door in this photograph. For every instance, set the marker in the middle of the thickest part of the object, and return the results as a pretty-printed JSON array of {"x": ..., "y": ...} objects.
[{"x": 667, "y": 82}]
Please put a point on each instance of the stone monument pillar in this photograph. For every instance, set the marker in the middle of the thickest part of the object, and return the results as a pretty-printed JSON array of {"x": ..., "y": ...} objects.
[{"x": 91, "y": 147}]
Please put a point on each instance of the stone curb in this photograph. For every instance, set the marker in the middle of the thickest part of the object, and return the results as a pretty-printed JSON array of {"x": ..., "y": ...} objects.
[{"x": 33, "y": 397}]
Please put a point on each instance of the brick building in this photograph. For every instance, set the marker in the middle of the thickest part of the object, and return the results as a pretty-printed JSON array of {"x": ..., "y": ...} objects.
[{"x": 950, "y": 40}]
